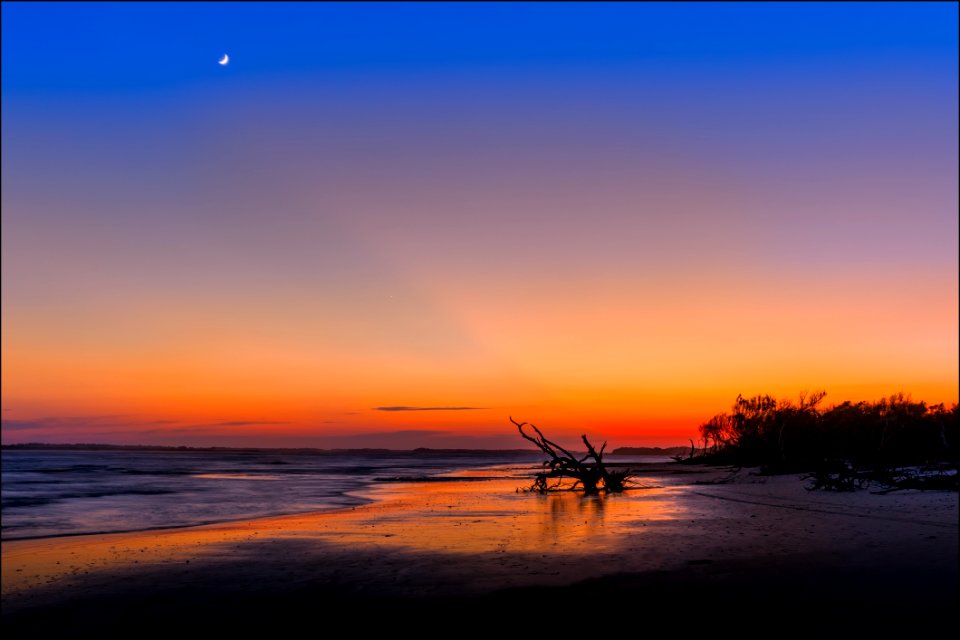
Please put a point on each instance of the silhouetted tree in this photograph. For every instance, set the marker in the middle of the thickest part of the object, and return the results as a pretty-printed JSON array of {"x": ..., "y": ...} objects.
[{"x": 843, "y": 444}]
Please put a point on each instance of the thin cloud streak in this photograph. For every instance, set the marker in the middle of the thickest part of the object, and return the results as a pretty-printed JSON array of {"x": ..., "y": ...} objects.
[
  {"x": 119, "y": 424},
  {"x": 243, "y": 423},
  {"x": 22, "y": 425},
  {"x": 405, "y": 408}
]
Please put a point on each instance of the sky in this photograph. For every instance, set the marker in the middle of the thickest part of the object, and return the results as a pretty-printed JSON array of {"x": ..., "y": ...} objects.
[{"x": 397, "y": 225}]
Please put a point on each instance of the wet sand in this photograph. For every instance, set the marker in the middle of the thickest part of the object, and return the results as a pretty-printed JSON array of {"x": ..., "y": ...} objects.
[{"x": 674, "y": 553}]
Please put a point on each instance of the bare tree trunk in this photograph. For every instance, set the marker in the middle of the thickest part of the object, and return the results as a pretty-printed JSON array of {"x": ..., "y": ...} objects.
[{"x": 592, "y": 476}]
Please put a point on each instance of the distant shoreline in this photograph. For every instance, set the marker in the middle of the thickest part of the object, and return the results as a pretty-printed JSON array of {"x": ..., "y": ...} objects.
[{"x": 42, "y": 446}]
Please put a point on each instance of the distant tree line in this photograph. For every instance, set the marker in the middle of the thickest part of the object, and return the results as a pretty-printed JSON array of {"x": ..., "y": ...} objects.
[{"x": 841, "y": 445}]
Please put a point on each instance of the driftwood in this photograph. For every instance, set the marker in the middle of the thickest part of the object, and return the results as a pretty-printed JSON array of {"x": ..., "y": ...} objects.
[
  {"x": 588, "y": 472},
  {"x": 844, "y": 476}
]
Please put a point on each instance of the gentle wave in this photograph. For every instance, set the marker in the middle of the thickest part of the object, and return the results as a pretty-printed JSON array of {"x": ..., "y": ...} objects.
[{"x": 56, "y": 493}]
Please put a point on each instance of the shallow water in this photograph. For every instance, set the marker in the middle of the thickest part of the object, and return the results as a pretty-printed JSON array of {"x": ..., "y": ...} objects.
[{"x": 49, "y": 493}]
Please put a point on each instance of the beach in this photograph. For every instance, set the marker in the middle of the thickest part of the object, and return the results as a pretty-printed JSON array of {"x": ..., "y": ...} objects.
[
  {"x": 307, "y": 306},
  {"x": 679, "y": 545}
]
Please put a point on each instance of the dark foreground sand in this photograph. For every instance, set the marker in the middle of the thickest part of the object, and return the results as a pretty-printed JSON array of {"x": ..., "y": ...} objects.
[{"x": 758, "y": 555}]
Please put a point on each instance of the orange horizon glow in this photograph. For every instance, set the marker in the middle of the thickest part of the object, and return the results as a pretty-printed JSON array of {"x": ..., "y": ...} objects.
[
  {"x": 614, "y": 368},
  {"x": 617, "y": 241}
]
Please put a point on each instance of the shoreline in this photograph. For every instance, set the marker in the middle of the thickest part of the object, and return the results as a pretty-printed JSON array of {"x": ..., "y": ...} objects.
[
  {"x": 364, "y": 493},
  {"x": 477, "y": 542},
  {"x": 358, "y": 495},
  {"x": 82, "y": 492}
]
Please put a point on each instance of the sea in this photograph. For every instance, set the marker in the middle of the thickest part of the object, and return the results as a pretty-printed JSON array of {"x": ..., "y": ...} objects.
[
  {"x": 70, "y": 492},
  {"x": 47, "y": 493}
]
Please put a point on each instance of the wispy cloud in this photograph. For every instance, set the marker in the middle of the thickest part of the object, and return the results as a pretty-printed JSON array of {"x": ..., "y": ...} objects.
[
  {"x": 405, "y": 408},
  {"x": 22, "y": 425},
  {"x": 244, "y": 423},
  {"x": 209, "y": 428},
  {"x": 61, "y": 421},
  {"x": 120, "y": 425},
  {"x": 413, "y": 438}
]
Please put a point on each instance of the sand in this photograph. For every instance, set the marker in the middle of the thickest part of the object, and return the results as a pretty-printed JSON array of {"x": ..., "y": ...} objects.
[{"x": 674, "y": 553}]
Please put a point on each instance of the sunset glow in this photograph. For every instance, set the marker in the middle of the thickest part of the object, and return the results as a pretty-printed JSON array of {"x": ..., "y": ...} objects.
[{"x": 375, "y": 210}]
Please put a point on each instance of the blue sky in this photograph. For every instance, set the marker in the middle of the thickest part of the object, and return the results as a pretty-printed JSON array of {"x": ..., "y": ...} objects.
[{"x": 604, "y": 216}]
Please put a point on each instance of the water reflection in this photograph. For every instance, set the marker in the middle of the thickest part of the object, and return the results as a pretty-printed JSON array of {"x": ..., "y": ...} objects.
[
  {"x": 491, "y": 517},
  {"x": 565, "y": 512},
  {"x": 480, "y": 517}
]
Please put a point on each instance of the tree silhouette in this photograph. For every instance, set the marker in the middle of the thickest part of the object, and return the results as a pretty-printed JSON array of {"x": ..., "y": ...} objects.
[{"x": 842, "y": 444}]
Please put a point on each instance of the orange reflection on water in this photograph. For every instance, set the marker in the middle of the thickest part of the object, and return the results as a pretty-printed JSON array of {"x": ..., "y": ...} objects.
[
  {"x": 491, "y": 516},
  {"x": 458, "y": 517}
]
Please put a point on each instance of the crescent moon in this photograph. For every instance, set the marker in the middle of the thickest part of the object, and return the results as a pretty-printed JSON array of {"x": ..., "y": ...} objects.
[{"x": 224, "y": 60}]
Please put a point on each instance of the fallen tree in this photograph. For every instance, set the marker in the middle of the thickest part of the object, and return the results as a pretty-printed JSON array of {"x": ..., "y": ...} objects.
[{"x": 588, "y": 472}]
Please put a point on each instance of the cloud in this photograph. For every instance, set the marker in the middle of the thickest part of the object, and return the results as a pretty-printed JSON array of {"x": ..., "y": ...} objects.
[
  {"x": 119, "y": 425},
  {"x": 243, "y": 423},
  {"x": 413, "y": 438},
  {"x": 402, "y": 432},
  {"x": 22, "y": 425},
  {"x": 210, "y": 428},
  {"x": 404, "y": 408},
  {"x": 55, "y": 422}
]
